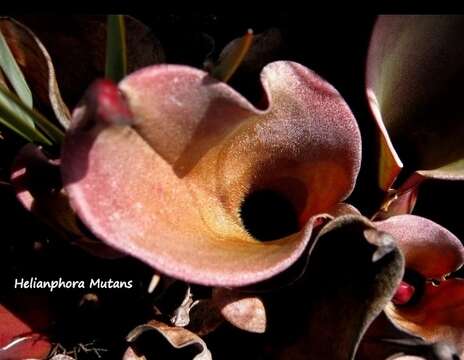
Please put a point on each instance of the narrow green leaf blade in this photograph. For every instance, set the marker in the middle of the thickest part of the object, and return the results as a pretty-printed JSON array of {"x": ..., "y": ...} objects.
[
  {"x": 15, "y": 121},
  {"x": 116, "y": 59},
  {"x": 20, "y": 130},
  {"x": 13, "y": 73},
  {"x": 20, "y": 115},
  {"x": 12, "y": 102}
]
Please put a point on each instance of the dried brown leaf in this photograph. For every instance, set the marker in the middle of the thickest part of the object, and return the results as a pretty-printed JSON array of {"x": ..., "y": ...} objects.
[
  {"x": 62, "y": 357},
  {"x": 178, "y": 337},
  {"x": 244, "y": 311}
]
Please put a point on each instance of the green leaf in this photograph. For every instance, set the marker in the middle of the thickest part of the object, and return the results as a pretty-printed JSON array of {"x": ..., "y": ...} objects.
[
  {"x": 18, "y": 116},
  {"x": 116, "y": 59},
  {"x": 13, "y": 73},
  {"x": 16, "y": 121}
]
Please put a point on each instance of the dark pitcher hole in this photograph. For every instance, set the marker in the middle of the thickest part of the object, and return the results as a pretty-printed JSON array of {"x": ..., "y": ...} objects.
[{"x": 269, "y": 215}]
